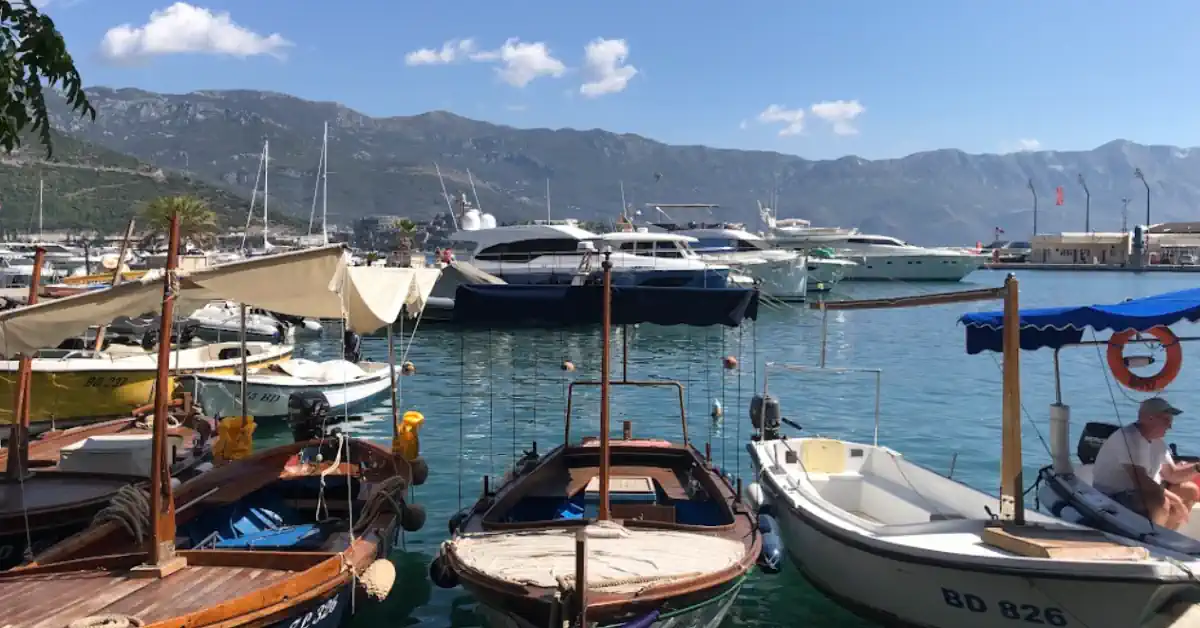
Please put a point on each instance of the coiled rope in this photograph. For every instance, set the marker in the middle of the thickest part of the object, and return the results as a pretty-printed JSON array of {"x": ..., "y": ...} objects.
[
  {"x": 107, "y": 621},
  {"x": 383, "y": 497},
  {"x": 129, "y": 508}
]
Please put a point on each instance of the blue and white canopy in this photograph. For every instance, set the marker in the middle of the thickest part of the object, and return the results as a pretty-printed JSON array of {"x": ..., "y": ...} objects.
[{"x": 1055, "y": 327}]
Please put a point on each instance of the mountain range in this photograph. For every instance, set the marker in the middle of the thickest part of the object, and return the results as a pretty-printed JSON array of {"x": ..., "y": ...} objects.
[{"x": 387, "y": 166}]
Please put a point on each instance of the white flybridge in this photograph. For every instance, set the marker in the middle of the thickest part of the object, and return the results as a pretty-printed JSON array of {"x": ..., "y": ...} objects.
[
  {"x": 784, "y": 274},
  {"x": 895, "y": 542}
]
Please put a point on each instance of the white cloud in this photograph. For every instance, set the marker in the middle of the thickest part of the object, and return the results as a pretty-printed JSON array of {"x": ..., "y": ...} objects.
[
  {"x": 840, "y": 113},
  {"x": 605, "y": 68},
  {"x": 792, "y": 119},
  {"x": 522, "y": 62},
  {"x": 451, "y": 51},
  {"x": 183, "y": 28},
  {"x": 1027, "y": 145}
]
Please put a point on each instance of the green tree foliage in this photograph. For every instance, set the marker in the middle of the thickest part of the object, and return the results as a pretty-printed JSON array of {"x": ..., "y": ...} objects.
[
  {"x": 197, "y": 222},
  {"x": 34, "y": 56}
]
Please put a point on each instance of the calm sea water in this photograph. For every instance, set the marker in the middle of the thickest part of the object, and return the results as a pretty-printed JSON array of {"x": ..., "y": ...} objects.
[{"x": 487, "y": 396}]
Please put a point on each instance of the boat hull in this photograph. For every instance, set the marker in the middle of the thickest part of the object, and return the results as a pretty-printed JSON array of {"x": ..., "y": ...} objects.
[
  {"x": 62, "y": 397},
  {"x": 222, "y": 396},
  {"x": 913, "y": 267},
  {"x": 329, "y": 611},
  {"x": 908, "y": 591}
]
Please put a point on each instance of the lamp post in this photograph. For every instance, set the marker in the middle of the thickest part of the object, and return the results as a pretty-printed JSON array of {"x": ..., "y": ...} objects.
[
  {"x": 1137, "y": 172},
  {"x": 1087, "y": 216},
  {"x": 1035, "y": 192}
]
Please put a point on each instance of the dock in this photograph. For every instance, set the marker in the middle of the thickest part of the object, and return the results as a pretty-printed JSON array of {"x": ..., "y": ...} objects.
[{"x": 1153, "y": 268}]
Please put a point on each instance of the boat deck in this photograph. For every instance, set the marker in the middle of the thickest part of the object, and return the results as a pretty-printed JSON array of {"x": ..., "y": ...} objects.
[
  {"x": 55, "y": 600},
  {"x": 50, "y": 490}
]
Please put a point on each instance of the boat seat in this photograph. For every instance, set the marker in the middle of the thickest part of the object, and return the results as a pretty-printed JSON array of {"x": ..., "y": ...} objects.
[
  {"x": 305, "y": 536},
  {"x": 229, "y": 353},
  {"x": 823, "y": 455},
  {"x": 644, "y": 512}
]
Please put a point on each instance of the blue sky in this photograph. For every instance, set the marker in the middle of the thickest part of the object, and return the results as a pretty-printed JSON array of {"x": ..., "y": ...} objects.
[{"x": 820, "y": 78}]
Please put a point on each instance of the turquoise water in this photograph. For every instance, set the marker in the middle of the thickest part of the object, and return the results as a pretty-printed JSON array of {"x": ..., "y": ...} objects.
[{"x": 487, "y": 396}]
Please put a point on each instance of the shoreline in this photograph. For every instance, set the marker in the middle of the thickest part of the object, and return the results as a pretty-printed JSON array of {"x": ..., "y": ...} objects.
[{"x": 1155, "y": 268}]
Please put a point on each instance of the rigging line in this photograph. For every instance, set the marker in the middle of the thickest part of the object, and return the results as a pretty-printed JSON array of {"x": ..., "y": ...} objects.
[
  {"x": 708, "y": 384},
  {"x": 724, "y": 399},
  {"x": 738, "y": 428},
  {"x": 462, "y": 389},
  {"x": 1025, "y": 412},
  {"x": 512, "y": 352},
  {"x": 536, "y": 381},
  {"x": 491, "y": 408}
]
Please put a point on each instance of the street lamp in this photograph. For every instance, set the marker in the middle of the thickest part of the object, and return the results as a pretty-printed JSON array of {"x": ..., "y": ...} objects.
[
  {"x": 1137, "y": 172},
  {"x": 1087, "y": 220},
  {"x": 1033, "y": 191},
  {"x": 1125, "y": 215}
]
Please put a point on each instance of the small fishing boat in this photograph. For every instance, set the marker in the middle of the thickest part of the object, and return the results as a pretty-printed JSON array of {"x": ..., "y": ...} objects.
[
  {"x": 1064, "y": 489},
  {"x": 903, "y": 545},
  {"x": 291, "y": 536},
  {"x": 604, "y": 532},
  {"x": 222, "y": 320},
  {"x": 345, "y": 385}
]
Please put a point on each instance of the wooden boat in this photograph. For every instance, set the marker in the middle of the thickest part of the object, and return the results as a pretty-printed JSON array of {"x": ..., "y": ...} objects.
[
  {"x": 907, "y": 546},
  {"x": 605, "y": 532},
  {"x": 291, "y": 536}
]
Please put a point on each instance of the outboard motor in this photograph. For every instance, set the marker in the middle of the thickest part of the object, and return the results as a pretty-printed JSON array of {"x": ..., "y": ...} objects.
[
  {"x": 351, "y": 347},
  {"x": 766, "y": 416},
  {"x": 307, "y": 412},
  {"x": 1092, "y": 439}
]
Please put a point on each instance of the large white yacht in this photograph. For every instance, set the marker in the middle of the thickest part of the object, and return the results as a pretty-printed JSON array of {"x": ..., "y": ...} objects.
[
  {"x": 557, "y": 252},
  {"x": 878, "y": 257},
  {"x": 784, "y": 274}
]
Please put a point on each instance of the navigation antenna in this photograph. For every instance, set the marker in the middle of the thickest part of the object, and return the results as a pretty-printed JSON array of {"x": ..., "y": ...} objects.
[{"x": 446, "y": 196}]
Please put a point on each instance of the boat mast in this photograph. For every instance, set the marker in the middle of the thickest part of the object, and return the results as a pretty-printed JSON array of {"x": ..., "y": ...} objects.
[
  {"x": 606, "y": 330},
  {"x": 325, "y": 185},
  {"x": 41, "y": 191},
  {"x": 547, "y": 200},
  {"x": 18, "y": 435},
  {"x": 1012, "y": 504},
  {"x": 162, "y": 560},
  {"x": 266, "y": 188}
]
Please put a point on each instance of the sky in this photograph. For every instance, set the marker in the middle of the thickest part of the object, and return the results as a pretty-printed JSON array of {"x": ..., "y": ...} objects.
[{"x": 815, "y": 78}]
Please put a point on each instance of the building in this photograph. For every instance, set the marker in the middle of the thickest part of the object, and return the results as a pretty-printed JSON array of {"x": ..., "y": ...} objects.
[
  {"x": 1109, "y": 248},
  {"x": 1173, "y": 242}
]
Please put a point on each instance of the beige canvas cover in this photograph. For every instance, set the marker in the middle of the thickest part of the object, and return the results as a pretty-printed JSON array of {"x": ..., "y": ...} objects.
[{"x": 317, "y": 283}]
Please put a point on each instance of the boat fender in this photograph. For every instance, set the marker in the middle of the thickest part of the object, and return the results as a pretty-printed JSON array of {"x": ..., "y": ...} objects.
[
  {"x": 149, "y": 340},
  {"x": 645, "y": 621},
  {"x": 771, "y": 558},
  {"x": 717, "y": 410},
  {"x": 1151, "y": 383},
  {"x": 457, "y": 520},
  {"x": 755, "y": 496},
  {"x": 407, "y": 442},
  {"x": 413, "y": 517},
  {"x": 107, "y": 621},
  {"x": 377, "y": 579},
  {"x": 441, "y": 574},
  {"x": 420, "y": 470}
]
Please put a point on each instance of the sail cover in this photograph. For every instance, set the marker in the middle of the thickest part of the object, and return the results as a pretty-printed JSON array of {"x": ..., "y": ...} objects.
[
  {"x": 317, "y": 283},
  {"x": 492, "y": 304},
  {"x": 1055, "y": 327}
]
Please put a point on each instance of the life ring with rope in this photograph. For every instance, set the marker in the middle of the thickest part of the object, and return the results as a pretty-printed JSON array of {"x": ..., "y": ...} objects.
[{"x": 1150, "y": 383}]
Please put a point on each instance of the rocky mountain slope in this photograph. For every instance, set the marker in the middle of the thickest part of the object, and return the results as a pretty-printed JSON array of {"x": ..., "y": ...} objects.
[
  {"x": 386, "y": 166},
  {"x": 89, "y": 187}
]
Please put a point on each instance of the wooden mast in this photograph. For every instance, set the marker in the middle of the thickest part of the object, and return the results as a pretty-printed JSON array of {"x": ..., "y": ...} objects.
[
  {"x": 18, "y": 435},
  {"x": 605, "y": 336},
  {"x": 162, "y": 560},
  {"x": 116, "y": 279},
  {"x": 1012, "y": 504}
]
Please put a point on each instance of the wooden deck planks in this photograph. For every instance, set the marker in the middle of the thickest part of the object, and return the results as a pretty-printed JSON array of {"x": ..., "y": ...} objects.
[{"x": 55, "y": 600}]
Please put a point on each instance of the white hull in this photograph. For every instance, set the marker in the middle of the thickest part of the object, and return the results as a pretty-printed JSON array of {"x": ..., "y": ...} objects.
[
  {"x": 903, "y": 545},
  {"x": 267, "y": 395},
  {"x": 785, "y": 278},
  {"x": 933, "y": 267},
  {"x": 824, "y": 274}
]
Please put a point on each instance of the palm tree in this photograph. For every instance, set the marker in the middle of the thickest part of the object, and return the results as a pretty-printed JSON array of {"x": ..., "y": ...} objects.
[{"x": 197, "y": 222}]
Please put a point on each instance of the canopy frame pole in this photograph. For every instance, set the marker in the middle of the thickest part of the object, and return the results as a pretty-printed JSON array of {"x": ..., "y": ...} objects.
[
  {"x": 1012, "y": 503},
  {"x": 605, "y": 338},
  {"x": 18, "y": 436},
  {"x": 117, "y": 276}
]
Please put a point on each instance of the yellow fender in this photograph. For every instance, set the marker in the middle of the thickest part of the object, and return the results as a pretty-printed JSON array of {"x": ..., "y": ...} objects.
[
  {"x": 406, "y": 443},
  {"x": 235, "y": 439}
]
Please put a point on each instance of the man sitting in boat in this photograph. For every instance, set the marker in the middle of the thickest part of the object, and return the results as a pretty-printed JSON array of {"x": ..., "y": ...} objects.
[{"x": 1135, "y": 468}]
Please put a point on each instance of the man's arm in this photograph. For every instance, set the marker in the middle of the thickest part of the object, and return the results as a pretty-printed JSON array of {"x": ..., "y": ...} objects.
[
  {"x": 1178, "y": 472},
  {"x": 1146, "y": 486}
]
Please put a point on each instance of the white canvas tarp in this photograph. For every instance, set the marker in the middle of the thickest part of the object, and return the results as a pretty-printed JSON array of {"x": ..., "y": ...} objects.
[{"x": 315, "y": 283}]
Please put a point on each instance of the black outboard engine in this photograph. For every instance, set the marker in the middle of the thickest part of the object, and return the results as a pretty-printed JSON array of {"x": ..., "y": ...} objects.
[
  {"x": 1092, "y": 439},
  {"x": 307, "y": 412},
  {"x": 766, "y": 416},
  {"x": 351, "y": 347}
]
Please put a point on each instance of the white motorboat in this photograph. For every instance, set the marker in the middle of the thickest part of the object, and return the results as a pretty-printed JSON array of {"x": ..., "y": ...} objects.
[
  {"x": 551, "y": 253},
  {"x": 344, "y": 384},
  {"x": 221, "y": 321},
  {"x": 782, "y": 274},
  {"x": 904, "y": 545}
]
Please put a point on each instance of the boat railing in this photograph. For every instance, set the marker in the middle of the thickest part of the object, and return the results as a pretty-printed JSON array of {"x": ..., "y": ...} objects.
[
  {"x": 628, "y": 382},
  {"x": 832, "y": 370}
]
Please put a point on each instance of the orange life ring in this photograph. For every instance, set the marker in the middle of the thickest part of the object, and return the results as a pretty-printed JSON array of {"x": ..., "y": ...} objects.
[{"x": 1152, "y": 383}]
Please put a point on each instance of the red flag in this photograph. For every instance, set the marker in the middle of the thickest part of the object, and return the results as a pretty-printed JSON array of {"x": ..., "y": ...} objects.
[{"x": 1059, "y": 196}]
